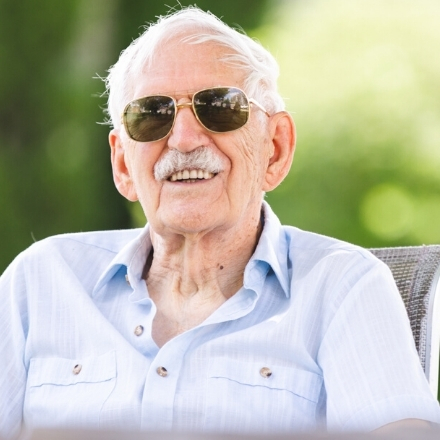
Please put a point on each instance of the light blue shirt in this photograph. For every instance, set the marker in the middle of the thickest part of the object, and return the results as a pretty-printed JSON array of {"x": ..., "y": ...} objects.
[{"x": 317, "y": 337}]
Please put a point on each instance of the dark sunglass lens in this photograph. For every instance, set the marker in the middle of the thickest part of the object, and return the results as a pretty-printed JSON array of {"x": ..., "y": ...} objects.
[
  {"x": 149, "y": 119},
  {"x": 222, "y": 109}
]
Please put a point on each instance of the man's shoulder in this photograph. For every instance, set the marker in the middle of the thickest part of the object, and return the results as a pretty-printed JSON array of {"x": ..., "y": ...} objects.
[
  {"x": 294, "y": 253},
  {"x": 83, "y": 243},
  {"x": 111, "y": 240},
  {"x": 329, "y": 258},
  {"x": 81, "y": 256},
  {"x": 300, "y": 241}
]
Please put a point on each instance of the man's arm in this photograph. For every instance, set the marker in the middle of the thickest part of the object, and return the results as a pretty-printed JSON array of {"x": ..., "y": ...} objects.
[
  {"x": 13, "y": 313},
  {"x": 371, "y": 368}
]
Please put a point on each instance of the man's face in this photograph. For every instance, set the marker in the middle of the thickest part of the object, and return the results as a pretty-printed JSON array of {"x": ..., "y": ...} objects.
[{"x": 224, "y": 200}]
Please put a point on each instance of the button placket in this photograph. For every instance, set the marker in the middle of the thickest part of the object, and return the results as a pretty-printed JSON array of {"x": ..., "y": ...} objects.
[{"x": 162, "y": 383}]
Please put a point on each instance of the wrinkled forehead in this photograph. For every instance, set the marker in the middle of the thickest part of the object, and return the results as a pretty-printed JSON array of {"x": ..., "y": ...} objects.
[{"x": 180, "y": 68}]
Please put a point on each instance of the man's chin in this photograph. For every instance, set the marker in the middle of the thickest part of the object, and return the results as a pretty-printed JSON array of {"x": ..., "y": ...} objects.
[{"x": 191, "y": 218}]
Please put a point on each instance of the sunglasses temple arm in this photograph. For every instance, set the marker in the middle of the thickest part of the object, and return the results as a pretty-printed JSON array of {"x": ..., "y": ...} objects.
[{"x": 252, "y": 101}]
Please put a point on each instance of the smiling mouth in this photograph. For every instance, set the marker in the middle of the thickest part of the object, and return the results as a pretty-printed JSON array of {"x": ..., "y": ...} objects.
[{"x": 191, "y": 176}]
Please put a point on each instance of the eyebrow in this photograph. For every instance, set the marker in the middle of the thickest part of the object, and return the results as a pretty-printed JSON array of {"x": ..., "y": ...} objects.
[{"x": 185, "y": 93}]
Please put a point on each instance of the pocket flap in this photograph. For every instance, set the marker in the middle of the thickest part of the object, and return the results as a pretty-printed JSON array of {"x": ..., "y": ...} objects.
[
  {"x": 300, "y": 382},
  {"x": 63, "y": 371}
]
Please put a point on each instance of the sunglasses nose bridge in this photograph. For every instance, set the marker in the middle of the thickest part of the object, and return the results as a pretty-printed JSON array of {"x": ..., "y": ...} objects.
[
  {"x": 186, "y": 133},
  {"x": 185, "y": 104}
]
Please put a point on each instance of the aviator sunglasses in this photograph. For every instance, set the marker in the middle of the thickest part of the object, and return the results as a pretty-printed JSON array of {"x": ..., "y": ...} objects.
[{"x": 218, "y": 109}]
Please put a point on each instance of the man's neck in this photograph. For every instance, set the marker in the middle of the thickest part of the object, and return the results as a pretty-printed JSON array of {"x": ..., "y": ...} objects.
[{"x": 190, "y": 276}]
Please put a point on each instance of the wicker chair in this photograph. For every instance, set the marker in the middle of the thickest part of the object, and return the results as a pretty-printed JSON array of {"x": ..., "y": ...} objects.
[{"x": 416, "y": 270}]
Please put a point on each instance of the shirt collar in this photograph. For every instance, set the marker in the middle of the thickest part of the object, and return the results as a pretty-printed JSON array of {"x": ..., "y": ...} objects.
[
  {"x": 132, "y": 256},
  {"x": 272, "y": 249}
]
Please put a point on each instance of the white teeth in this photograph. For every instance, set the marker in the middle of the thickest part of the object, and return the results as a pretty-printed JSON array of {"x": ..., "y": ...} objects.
[{"x": 191, "y": 175}]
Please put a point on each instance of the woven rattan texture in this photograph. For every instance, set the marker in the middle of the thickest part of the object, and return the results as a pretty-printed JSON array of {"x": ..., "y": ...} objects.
[{"x": 413, "y": 269}]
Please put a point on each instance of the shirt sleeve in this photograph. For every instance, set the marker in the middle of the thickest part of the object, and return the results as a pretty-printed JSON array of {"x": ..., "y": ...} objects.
[
  {"x": 13, "y": 329},
  {"x": 372, "y": 373}
]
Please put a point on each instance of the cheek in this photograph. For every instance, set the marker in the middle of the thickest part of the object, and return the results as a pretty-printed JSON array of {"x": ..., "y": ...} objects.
[
  {"x": 256, "y": 154},
  {"x": 141, "y": 166}
]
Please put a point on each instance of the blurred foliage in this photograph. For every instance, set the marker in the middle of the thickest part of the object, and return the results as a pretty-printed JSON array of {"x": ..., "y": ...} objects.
[
  {"x": 55, "y": 173},
  {"x": 360, "y": 78},
  {"x": 362, "y": 81}
]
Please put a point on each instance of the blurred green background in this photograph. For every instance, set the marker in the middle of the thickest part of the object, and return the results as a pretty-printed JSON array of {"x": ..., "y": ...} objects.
[{"x": 361, "y": 78}]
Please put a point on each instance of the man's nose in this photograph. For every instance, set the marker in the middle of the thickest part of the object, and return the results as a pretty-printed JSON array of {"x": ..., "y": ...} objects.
[{"x": 187, "y": 133}]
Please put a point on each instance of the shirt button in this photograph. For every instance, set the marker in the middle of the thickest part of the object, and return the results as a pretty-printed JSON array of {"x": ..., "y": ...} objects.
[
  {"x": 77, "y": 369},
  {"x": 138, "y": 330},
  {"x": 162, "y": 371},
  {"x": 266, "y": 372}
]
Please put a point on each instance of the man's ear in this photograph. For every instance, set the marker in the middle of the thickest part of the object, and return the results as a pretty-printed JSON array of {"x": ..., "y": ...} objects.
[
  {"x": 283, "y": 137},
  {"x": 121, "y": 171}
]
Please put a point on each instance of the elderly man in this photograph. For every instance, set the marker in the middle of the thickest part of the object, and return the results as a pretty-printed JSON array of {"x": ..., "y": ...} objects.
[{"x": 214, "y": 317}]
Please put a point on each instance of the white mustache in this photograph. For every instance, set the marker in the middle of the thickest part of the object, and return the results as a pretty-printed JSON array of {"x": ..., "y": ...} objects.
[{"x": 202, "y": 158}]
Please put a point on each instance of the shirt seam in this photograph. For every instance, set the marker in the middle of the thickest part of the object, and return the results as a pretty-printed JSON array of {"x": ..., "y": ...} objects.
[{"x": 97, "y": 246}]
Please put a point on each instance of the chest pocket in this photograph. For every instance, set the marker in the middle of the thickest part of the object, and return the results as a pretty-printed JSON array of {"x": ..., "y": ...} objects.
[
  {"x": 262, "y": 397},
  {"x": 65, "y": 392}
]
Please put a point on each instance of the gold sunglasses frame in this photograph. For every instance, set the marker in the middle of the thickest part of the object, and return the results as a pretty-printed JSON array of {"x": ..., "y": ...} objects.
[{"x": 191, "y": 105}]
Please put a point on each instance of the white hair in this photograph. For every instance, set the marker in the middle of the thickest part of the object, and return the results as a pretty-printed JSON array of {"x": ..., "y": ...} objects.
[{"x": 260, "y": 69}]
